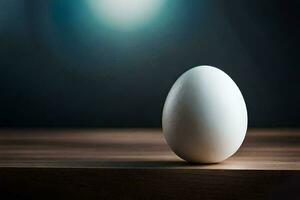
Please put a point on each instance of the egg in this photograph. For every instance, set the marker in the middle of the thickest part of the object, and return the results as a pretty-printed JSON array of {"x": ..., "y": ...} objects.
[{"x": 204, "y": 117}]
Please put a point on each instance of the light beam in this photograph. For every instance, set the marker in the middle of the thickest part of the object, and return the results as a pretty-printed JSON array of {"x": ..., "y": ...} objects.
[{"x": 125, "y": 14}]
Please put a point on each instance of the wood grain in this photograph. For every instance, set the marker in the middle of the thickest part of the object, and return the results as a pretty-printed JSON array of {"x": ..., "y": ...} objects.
[
  {"x": 133, "y": 148},
  {"x": 137, "y": 164}
]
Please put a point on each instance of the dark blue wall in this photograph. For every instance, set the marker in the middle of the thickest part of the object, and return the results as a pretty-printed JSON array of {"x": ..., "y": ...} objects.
[{"x": 60, "y": 67}]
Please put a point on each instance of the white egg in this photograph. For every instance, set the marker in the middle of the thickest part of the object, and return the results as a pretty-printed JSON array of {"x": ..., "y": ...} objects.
[{"x": 205, "y": 116}]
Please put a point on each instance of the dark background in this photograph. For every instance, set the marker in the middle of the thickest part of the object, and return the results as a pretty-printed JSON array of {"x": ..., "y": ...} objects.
[{"x": 60, "y": 67}]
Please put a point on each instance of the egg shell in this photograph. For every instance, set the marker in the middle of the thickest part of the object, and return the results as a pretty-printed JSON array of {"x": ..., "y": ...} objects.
[{"x": 204, "y": 116}]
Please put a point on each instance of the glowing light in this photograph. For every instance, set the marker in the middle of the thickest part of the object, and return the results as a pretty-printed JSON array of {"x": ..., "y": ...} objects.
[{"x": 125, "y": 14}]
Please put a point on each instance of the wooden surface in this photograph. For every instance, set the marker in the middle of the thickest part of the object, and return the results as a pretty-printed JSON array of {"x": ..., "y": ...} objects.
[
  {"x": 138, "y": 148},
  {"x": 137, "y": 164}
]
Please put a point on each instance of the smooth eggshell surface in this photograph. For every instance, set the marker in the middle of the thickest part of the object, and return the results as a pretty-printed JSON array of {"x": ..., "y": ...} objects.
[{"x": 204, "y": 117}]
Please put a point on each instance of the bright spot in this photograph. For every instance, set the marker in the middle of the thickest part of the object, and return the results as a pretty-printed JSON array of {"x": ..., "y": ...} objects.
[{"x": 125, "y": 14}]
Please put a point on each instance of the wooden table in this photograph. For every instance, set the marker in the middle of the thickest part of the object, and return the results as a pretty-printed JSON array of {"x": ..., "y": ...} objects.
[{"x": 137, "y": 164}]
